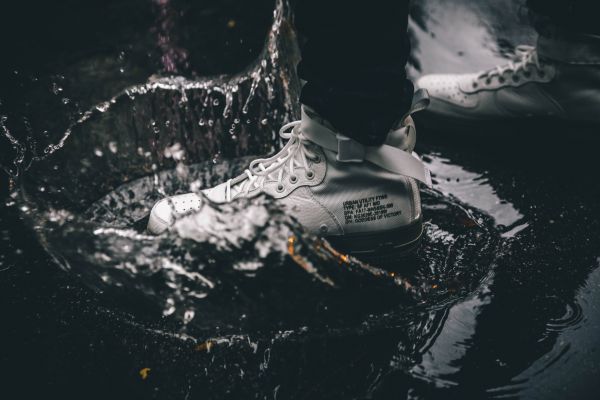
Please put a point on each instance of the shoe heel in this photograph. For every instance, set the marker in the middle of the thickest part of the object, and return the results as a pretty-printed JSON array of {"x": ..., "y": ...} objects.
[{"x": 388, "y": 244}]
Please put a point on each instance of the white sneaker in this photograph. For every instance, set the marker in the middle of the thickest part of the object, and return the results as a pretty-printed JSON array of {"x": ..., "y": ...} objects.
[
  {"x": 529, "y": 86},
  {"x": 362, "y": 199}
]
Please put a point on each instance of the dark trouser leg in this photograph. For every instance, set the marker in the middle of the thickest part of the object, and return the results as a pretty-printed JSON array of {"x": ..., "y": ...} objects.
[
  {"x": 552, "y": 17},
  {"x": 353, "y": 59},
  {"x": 569, "y": 31}
]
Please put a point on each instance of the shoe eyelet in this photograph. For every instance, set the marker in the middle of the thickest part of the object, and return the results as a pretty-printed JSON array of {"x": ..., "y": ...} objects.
[
  {"x": 501, "y": 79},
  {"x": 316, "y": 160},
  {"x": 280, "y": 188},
  {"x": 515, "y": 78},
  {"x": 293, "y": 179},
  {"x": 542, "y": 73},
  {"x": 310, "y": 174},
  {"x": 475, "y": 85},
  {"x": 527, "y": 74},
  {"x": 488, "y": 81}
]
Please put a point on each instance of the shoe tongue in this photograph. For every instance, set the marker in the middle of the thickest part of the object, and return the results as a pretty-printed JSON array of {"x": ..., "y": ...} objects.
[
  {"x": 404, "y": 136},
  {"x": 217, "y": 193}
]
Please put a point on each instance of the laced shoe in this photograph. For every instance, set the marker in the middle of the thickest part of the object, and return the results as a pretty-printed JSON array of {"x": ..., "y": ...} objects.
[
  {"x": 529, "y": 86},
  {"x": 363, "y": 199}
]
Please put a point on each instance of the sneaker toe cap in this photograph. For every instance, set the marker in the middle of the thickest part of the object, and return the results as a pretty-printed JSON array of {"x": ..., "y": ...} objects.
[
  {"x": 163, "y": 213},
  {"x": 161, "y": 217},
  {"x": 447, "y": 89}
]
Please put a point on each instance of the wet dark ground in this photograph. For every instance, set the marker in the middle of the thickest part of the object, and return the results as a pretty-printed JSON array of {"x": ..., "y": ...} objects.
[{"x": 501, "y": 300}]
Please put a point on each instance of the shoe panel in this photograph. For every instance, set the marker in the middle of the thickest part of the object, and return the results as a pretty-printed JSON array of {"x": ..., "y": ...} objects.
[
  {"x": 577, "y": 90},
  {"x": 310, "y": 213},
  {"x": 365, "y": 198},
  {"x": 529, "y": 100}
]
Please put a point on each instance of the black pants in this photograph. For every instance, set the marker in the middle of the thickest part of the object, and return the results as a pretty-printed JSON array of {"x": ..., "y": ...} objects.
[
  {"x": 551, "y": 17},
  {"x": 354, "y": 55}
]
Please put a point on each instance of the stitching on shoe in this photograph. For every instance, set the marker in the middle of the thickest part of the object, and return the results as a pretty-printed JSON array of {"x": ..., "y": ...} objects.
[
  {"x": 331, "y": 215},
  {"x": 413, "y": 210}
]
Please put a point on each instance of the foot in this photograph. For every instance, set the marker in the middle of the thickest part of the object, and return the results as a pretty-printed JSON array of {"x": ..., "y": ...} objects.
[
  {"x": 529, "y": 86},
  {"x": 364, "y": 199}
]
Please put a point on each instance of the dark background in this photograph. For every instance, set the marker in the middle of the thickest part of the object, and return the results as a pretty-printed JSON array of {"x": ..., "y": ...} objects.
[{"x": 534, "y": 336}]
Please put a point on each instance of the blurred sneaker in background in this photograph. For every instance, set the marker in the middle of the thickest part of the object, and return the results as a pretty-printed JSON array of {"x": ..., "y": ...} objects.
[{"x": 558, "y": 79}]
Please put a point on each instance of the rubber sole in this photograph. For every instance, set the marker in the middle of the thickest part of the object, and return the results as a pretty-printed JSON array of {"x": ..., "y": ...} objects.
[{"x": 383, "y": 245}]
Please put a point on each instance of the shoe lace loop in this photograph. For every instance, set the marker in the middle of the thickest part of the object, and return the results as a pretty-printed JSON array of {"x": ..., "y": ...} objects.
[
  {"x": 295, "y": 154},
  {"x": 525, "y": 56}
]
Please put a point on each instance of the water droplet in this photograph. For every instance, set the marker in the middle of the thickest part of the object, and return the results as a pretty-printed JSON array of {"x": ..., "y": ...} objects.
[
  {"x": 98, "y": 152},
  {"x": 176, "y": 152},
  {"x": 169, "y": 307},
  {"x": 112, "y": 146},
  {"x": 55, "y": 88},
  {"x": 102, "y": 107},
  {"x": 188, "y": 316}
]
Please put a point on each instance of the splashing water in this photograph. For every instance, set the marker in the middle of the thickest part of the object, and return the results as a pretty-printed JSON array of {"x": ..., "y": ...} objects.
[
  {"x": 88, "y": 193},
  {"x": 244, "y": 108}
]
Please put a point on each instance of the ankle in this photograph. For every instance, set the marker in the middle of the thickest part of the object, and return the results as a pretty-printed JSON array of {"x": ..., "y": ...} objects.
[{"x": 580, "y": 49}]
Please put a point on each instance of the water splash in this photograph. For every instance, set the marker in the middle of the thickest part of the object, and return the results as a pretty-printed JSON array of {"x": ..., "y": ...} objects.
[
  {"x": 266, "y": 91},
  {"x": 174, "y": 135}
]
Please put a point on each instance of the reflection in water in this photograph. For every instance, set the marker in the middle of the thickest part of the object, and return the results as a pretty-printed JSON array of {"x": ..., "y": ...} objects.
[
  {"x": 442, "y": 360},
  {"x": 260, "y": 309},
  {"x": 471, "y": 188}
]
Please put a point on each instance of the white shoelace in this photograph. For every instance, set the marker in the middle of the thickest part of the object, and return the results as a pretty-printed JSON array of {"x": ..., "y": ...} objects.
[
  {"x": 525, "y": 56},
  {"x": 294, "y": 154}
]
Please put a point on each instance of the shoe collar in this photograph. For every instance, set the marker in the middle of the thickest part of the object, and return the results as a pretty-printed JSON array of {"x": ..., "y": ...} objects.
[{"x": 400, "y": 160}]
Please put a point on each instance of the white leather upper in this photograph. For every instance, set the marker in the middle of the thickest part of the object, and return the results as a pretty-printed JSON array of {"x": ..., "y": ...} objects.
[
  {"x": 328, "y": 196},
  {"x": 517, "y": 90}
]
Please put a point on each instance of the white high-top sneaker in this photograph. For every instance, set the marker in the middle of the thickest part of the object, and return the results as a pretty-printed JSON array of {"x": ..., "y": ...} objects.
[
  {"x": 365, "y": 200},
  {"x": 556, "y": 80}
]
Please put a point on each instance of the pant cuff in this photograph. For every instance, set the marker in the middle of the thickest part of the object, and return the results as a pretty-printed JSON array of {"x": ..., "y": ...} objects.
[{"x": 581, "y": 49}]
